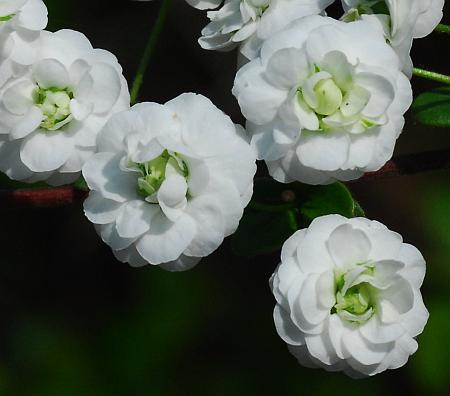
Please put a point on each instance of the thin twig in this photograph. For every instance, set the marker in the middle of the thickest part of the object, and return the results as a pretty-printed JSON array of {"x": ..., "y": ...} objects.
[
  {"x": 41, "y": 197},
  {"x": 49, "y": 197},
  {"x": 411, "y": 164}
]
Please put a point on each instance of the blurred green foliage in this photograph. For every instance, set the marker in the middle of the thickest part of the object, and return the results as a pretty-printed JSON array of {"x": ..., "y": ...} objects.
[{"x": 433, "y": 107}]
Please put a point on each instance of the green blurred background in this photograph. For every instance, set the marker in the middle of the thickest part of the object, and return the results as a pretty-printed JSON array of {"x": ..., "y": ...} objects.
[{"x": 75, "y": 322}]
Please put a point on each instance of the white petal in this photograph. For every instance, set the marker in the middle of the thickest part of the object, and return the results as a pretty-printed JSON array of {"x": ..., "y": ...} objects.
[
  {"x": 135, "y": 218},
  {"x": 348, "y": 246},
  {"x": 46, "y": 151},
  {"x": 102, "y": 173},
  {"x": 286, "y": 329},
  {"x": 210, "y": 226},
  {"x": 100, "y": 210},
  {"x": 166, "y": 241}
]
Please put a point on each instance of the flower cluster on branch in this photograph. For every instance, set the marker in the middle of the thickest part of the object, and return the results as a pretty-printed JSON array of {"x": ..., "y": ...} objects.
[{"x": 324, "y": 101}]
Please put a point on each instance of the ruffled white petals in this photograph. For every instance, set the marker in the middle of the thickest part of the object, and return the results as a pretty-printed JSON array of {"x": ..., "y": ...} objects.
[
  {"x": 166, "y": 240},
  {"x": 210, "y": 226},
  {"x": 44, "y": 152},
  {"x": 405, "y": 20},
  {"x": 204, "y": 4},
  {"x": 135, "y": 218},
  {"x": 248, "y": 23},
  {"x": 355, "y": 307},
  {"x": 103, "y": 174},
  {"x": 100, "y": 210},
  {"x": 182, "y": 263},
  {"x": 51, "y": 73},
  {"x": 324, "y": 100},
  {"x": 259, "y": 100},
  {"x": 348, "y": 246},
  {"x": 175, "y": 179},
  {"x": 55, "y": 105}
]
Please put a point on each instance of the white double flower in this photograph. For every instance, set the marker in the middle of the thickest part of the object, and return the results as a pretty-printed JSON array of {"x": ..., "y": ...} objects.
[
  {"x": 169, "y": 182},
  {"x": 324, "y": 100},
  {"x": 247, "y": 23},
  {"x": 348, "y": 296},
  {"x": 52, "y": 110},
  {"x": 401, "y": 20},
  {"x": 21, "y": 22}
]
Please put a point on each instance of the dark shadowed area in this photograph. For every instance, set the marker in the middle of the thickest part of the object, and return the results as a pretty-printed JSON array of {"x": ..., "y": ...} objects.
[{"x": 77, "y": 322}]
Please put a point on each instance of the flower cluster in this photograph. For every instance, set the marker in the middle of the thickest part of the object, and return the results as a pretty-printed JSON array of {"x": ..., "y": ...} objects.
[
  {"x": 324, "y": 100},
  {"x": 247, "y": 23}
]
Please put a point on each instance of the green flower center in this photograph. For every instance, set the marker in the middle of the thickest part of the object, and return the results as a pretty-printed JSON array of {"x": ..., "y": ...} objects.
[
  {"x": 329, "y": 97},
  {"x": 55, "y": 106},
  {"x": 153, "y": 173},
  {"x": 335, "y": 106},
  {"x": 355, "y": 304}
]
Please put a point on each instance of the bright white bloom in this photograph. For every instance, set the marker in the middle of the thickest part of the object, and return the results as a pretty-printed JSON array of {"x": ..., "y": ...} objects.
[
  {"x": 248, "y": 22},
  {"x": 20, "y": 24},
  {"x": 401, "y": 20},
  {"x": 169, "y": 182},
  {"x": 51, "y": 112},
  {"x": 348, "y": 296},
  {"x": 324, "y": 100}
]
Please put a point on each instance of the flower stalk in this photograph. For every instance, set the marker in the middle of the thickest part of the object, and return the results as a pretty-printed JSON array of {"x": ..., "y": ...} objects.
[
  {"x": 149, "y": 50},
  {"x": 430, "y": 75}
]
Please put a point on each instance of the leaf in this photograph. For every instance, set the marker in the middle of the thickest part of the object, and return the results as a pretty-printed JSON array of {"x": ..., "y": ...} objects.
[
  {"x": 7, "y": 184},
  {"x": 263, "y": 232},
  {"x": 433, "y": 108},
  {"x": 278, "y": 210}
]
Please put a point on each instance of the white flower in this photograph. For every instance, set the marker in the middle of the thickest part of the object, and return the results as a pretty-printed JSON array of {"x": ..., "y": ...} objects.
[
  {"x": 169, "y": 182},
  {"x": 348, "y": 296},
  {"x": 21, "y": 22},
  {"x": 247, "y": 23},
  {"x": 401, "y": 21},
  {"x": 51, "y": 112},
  {"x": 324, "y": 100}
]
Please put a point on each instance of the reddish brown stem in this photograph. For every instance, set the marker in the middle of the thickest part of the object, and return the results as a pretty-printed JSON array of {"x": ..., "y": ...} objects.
[
  {"x": 411, "y": 164},
  {"x": 41, "y": 197},
  {"x": 48, "y": 197}
]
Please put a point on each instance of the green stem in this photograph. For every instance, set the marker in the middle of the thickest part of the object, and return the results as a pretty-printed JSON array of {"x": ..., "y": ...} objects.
[
  {"x": 149, "y": 49},
  {"x": 429, "y": 75},
  {"x": 441, "y": 28}
]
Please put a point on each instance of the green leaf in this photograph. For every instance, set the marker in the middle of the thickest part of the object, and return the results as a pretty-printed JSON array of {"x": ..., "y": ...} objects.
[
  {"x": 433, "y": 108},
  {"x": 81, "y": 184},
  {"x": 263, "y": 232},
  {"x": 278, "y": 210},
  {"x": 8, "y": 184}
]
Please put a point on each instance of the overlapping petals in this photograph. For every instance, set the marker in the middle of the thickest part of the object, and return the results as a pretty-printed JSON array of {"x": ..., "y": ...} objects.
[
  {"x": 324, "y": 100},
  {"x": 400, "y": 20},
  {"x": 51, "y": 111},
  {"x": 348, "y": 296},
  {"x": 21, "y": 22},
  {"x": 169, "y": 183},
  {"x": 247, "y": 23}
]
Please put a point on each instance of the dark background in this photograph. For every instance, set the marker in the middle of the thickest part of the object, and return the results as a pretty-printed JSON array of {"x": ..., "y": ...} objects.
[{"x": 74, "y": 321}]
